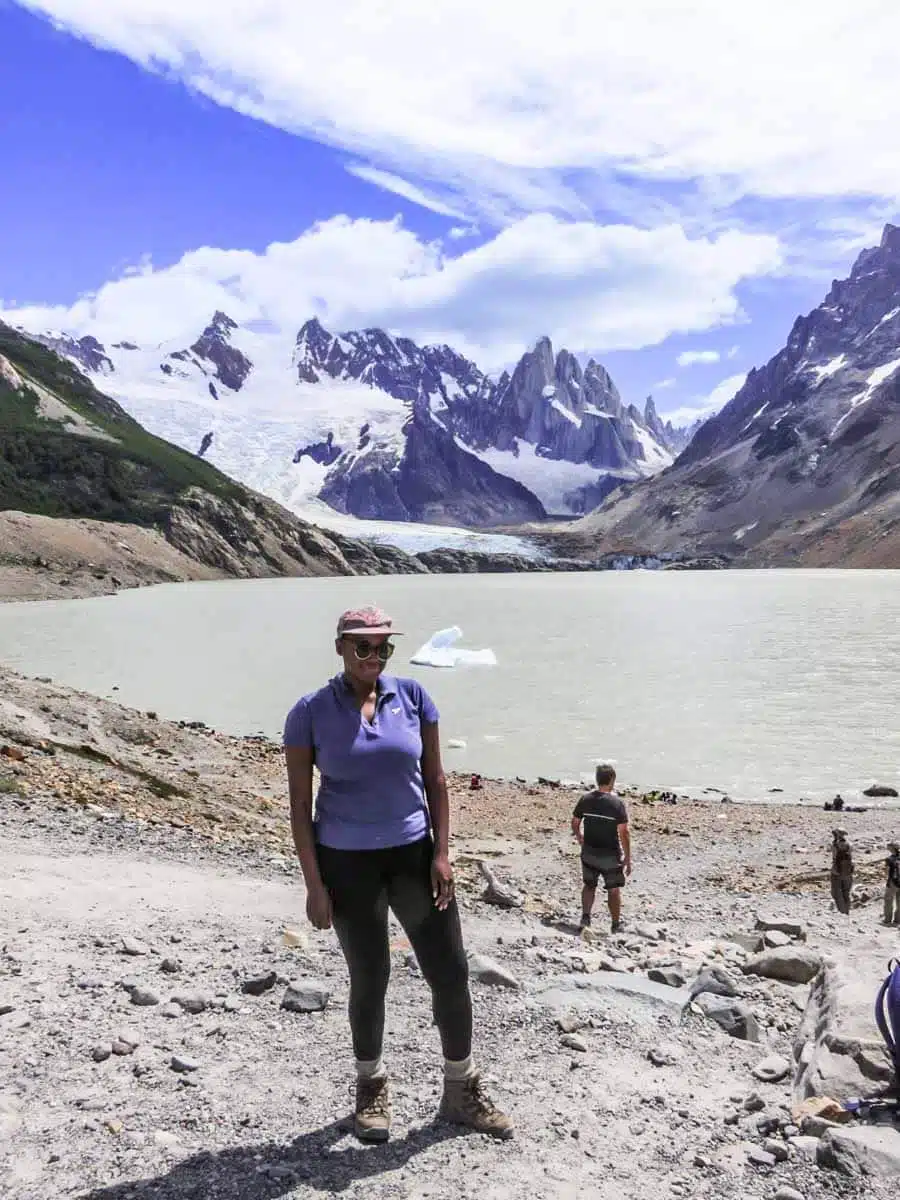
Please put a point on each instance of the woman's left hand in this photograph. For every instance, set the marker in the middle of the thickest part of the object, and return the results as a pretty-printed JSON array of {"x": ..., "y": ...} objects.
[{"x": 442, "y": 885}]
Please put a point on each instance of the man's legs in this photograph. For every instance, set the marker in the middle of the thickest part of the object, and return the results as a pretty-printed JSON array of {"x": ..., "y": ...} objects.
[
  {"x": 589, "y": 877},
  {"x": 614, "y": 879},
  {"x": 614, "y": 900}
]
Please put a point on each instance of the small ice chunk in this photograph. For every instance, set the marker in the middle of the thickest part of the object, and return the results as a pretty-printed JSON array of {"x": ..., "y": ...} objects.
[
  {"x": 456, "y": 744},
  {"x": 441, "y": 651}
]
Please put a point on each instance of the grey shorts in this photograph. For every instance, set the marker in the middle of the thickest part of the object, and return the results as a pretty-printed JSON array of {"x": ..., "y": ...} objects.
[{"x": 613, "y": 876}]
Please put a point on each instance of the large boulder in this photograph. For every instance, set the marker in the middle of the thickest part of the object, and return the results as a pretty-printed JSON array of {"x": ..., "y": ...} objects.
[
  {"x": 838, "y": 1051},
  {"x": 862, "y": 1150},
  {"x": 790, "y": 964}
]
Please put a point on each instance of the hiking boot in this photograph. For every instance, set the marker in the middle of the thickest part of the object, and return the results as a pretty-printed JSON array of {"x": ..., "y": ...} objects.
[
  {"x": 585, "y": 921},
  {"x": 465, "y": 1102},
  {"x": 372, "y": 1120},
  {"x": 618, "y": 927}
]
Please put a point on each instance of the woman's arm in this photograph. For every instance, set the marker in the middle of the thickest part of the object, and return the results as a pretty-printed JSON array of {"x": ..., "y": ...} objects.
[
  {"x": 438, "y": 801},
  {"x": 299, "y": 760}
]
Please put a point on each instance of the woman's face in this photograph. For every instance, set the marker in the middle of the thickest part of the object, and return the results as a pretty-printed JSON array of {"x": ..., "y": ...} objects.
[{"x": 364, "y": 656}]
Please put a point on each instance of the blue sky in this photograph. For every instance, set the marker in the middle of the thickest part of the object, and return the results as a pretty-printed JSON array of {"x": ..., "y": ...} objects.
[{"x": 670, "y": 211}]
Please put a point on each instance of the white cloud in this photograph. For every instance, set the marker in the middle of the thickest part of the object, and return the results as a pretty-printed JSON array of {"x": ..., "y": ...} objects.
[
  {"x": 707, "y": 406},
  {"x": 663, "y": 384},
  {"x": 401, "y": 187},
  {"x": 592, "y": 288},
  {"x": 676, "y": 92},
  {"x": 689, "y": 358},
  {"x": 733, "y": 352}
]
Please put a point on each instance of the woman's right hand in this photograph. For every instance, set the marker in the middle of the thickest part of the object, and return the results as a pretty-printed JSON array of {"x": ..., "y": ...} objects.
[{"x": 318, "y": 907}]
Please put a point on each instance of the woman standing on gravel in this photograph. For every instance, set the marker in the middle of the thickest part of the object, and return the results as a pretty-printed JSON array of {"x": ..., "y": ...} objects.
[{"x": 379, "y": 841}]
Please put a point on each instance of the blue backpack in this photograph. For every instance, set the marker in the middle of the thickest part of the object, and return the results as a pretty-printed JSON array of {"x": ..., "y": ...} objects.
[{"x": 887, "y": 1014}]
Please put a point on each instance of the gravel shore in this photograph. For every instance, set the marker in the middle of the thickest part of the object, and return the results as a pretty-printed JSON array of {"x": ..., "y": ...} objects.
[{"x": 153, "y": 922}]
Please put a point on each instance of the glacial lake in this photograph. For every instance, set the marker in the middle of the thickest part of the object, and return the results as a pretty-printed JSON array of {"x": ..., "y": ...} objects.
[{"x": 738, "y": 680}]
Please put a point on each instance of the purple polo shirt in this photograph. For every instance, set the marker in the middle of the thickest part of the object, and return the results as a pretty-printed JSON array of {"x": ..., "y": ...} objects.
[{"x": 371, "y": 793}]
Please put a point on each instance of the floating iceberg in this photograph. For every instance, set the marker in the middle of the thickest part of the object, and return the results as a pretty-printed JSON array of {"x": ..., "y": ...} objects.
[{"x": 440, "y": 651}]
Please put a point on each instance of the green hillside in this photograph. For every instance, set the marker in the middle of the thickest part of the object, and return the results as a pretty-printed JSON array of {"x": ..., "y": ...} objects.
[{"x": 112, "y": 470}]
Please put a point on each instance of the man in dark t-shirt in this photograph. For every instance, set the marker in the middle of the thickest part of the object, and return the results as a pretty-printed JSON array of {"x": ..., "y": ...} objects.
[{"x": 600, "y": 824}]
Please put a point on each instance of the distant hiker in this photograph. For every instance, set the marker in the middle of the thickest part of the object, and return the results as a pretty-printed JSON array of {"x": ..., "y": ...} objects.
[
  {"x": 892, "y": 886},
  {"x": 841, "y": 870},
  {"x": 476, "y": 783},
  {"x": 379, "y": 842},
  {"x": 600, "y": 824}
]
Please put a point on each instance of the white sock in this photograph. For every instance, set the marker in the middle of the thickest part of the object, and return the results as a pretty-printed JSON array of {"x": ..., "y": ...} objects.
[
  {"x": 456, "y": 1071},
  {"x": 373, "y": 1069}
]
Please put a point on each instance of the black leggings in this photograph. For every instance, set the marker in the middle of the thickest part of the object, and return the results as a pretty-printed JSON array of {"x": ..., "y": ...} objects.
[{"x": 363, "y": 885}]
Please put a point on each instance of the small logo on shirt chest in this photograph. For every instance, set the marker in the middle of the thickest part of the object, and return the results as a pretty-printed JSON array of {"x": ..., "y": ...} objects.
[{"x": 396, "y": 710}]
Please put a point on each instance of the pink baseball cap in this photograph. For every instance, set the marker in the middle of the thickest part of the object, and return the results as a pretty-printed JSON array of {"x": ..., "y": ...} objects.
[{"x": 370, "y": 619}]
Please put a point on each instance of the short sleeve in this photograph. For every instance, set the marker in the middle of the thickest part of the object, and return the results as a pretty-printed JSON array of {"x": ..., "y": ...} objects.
[
  {"x": 623, "y": 812},
  {"x": 428, "y": 711},
  {"x": 298, "y": 726},
  {"x": 580, "y": 807}
]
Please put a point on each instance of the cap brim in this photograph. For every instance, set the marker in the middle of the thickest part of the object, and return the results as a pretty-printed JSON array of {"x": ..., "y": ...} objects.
[{"x": 371, "y": 631}]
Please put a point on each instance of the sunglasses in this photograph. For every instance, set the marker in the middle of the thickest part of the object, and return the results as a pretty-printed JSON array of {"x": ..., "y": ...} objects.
[{"x": 364, "y": 649}]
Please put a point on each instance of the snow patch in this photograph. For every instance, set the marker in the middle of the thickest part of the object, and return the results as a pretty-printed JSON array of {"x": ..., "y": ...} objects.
[
  {"x": 830, "y": 368},
  {"x": 550, "y": 479},
  {"x": 655, "y": 457},
  {"x": 549, "y": 391},
  {"x": 563, "y": 411},
  {"x": 874, "y": 381}
]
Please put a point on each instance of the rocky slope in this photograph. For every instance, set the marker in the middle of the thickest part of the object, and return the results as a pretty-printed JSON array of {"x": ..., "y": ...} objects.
[
  {"x": 380, "y": 427},
  {"x": 69, "y": 452},
  {"x": 155, "y": 928},
  {"x": 803, "y": 465}
]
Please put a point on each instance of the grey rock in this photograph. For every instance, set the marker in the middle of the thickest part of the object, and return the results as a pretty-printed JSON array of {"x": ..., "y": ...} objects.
[
  {"x": 790, "y": 964},
  {"x": 305, "y": 996},
  {"x": 759, "y": 1157},
  {"x": 134, "y": 947},
  {"x": 731, "y": 1015},
  {"x": 772, "y": 1069},
  {"x": 570, "y": 1023},
  {"x": 805, "y": 1147},
  {"x": 714, "y": 981},
  {"x": 670, "y": 976},
  {"x": 184, "y": 1065},
  {"x": 257, "y": 985},
  {"x": 754, "y": 1103},
  {"x": 192, "y": 1002},
  {"x": 572, "y": 1041},
  {"x": 6, "y": 1007},
  {"x": 788, "y": 1193},
  {"x": 771, "y": 1121},
  {"x": 775, "y": 938},
  {"x": 751, "y": 942},
  {"x": 170, "y": 1010},
  {"x": 793, "y": 929},
  {"x": 123, "y": 1049},
  {"x": 232, "y": 1004},
  {"x": 651, "y": 933},
  {"x": 143, "y": 997},
  {"x": 170, "y": 966},
  {"x": 486, "y": 970},
  {"x": 101, "y": 1052},
  {"x": 777, "y": 1149},
  {"x": 863, "y": 1150}
]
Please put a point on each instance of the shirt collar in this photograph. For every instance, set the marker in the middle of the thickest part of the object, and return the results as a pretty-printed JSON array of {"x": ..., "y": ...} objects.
[{"x": 385, "y": 686}]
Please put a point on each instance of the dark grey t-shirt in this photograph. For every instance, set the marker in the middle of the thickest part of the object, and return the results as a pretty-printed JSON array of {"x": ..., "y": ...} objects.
[{"x": 602, "y": 814}]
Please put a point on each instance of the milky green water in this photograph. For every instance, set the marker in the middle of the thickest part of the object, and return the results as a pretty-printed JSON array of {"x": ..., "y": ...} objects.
[{"x": 743, "y": 681}]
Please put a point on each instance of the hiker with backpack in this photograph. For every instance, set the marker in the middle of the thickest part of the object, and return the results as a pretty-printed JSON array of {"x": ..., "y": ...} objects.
[{"x": 892, "y": 886}]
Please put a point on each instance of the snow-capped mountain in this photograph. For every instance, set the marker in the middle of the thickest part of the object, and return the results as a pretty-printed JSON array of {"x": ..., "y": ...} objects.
[
  {"x": 803, "y": 464},
  {"x": 378, "y": 427}
]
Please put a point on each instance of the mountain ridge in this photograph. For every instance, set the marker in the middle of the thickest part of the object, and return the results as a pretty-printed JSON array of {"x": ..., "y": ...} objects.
[
  {"x": 803, "y": 463},
  {"x": 549, "y": 437}
]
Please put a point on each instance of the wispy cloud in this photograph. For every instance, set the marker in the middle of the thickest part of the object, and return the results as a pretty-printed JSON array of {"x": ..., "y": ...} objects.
[
  {"x": 689, "y": 358},
  {"x": 402, "y": 187},
  {"x": 442, "y": 94},
  {"x": 702, "y": 407},
  {"x": 663, "y": 384},
  {"x": 592, "y": 288}
]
